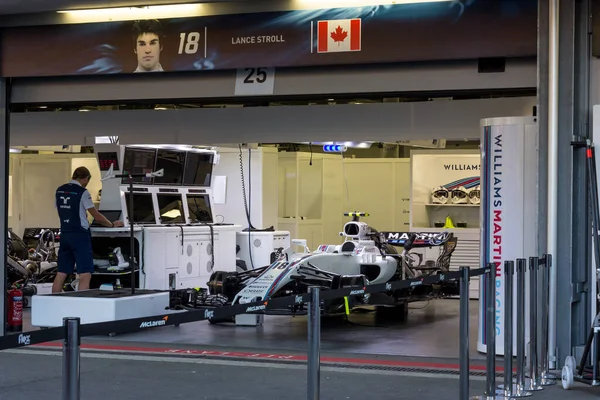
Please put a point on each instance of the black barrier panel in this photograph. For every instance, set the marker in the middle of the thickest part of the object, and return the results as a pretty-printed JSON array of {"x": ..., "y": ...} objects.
[
  {"x": 187, "y": 316},
  {"x": 32, "y": 337}
]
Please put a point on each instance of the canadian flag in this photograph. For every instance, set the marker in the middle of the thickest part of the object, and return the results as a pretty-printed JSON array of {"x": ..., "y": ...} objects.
[{"x": 338, "y": 35}]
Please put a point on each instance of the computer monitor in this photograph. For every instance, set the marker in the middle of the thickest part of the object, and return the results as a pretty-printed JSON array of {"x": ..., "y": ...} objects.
[
  {"x": 143, "y": 208},
  {"x": 199, "y": 208},
  {"x": 170, "y": 208},
  {"x": 138, "y": 161},
  {"x": 172, "y": 162},
  {"x": 198, "y": 169},
  {"x": 106, "y": 159}
]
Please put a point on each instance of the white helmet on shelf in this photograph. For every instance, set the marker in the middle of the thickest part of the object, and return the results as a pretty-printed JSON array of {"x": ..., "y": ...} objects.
[
  {"x": 440, "y": 195},
  {"x": 475, "y": 195},
  {"x": 460, "y": 195}
]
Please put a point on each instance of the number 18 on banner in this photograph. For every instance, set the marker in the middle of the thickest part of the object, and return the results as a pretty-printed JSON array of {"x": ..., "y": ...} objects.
[
  {"x": 254, "y": 81},
  {"x": 191, "y": 42}
]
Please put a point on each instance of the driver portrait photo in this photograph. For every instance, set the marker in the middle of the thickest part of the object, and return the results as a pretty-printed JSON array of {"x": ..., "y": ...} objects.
[{"x": 147, "y": 35}]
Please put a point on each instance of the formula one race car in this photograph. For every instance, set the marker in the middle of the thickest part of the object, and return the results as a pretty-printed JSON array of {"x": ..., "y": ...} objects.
[{"x": 366, "y": 257}]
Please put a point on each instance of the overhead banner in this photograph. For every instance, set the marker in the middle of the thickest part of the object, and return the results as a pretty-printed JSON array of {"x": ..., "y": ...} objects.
[
  {"x": 445, "y": 30},
  {"x": 509, "y": 204}
]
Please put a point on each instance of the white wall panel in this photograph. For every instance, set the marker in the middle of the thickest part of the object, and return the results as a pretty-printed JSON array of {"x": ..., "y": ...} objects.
[
  {"x": 36, "y": 174},
  {"x": 379, "y": 122},
  {"x": 409, "y": 77},
  {"x": 233, "y": 210}
]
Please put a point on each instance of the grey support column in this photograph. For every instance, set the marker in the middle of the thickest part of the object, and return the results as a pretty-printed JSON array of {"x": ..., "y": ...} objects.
[
  {"x": 581, "y": 250},
  {"x": 570, "y": 326},
  {"x": 564, "y": 115},
  {"x": 4, "y": 170}
]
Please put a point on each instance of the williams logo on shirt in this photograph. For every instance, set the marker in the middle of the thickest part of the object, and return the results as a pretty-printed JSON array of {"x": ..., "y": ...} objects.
[{"x": 65, "y": 201}]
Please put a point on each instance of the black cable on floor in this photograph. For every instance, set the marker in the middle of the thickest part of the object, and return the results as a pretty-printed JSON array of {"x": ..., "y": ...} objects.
[
  {"x": 250, "y": 227},
  {"x": 419, "y": 308},
  {"x": 246, "y": 201}
]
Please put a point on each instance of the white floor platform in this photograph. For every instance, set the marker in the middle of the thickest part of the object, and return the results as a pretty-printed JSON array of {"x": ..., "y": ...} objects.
[{"x": 91, "y": 306}]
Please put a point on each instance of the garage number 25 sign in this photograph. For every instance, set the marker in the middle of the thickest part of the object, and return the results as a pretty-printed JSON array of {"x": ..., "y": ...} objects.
[{"x": 254, "y": 81}]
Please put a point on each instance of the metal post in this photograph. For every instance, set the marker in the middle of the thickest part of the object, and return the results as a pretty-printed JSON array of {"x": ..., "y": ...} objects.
[
  {"x": 552, "y": 191},
  {"x": 490, "y": 330},
  {"x": 5, "y": 96},
  {"x": 533, "y": 383},
  {"x": 595, "y": 357},
  {"x": 519, "y": 388},
  {"x": 464, "y": 333},
  {"x": 545, "y": 378},
  {"x": 132, "y": 237},
  {"x": 509, "y": 272},
  {"x": 71, "y": 368},
  {"x": 314, "y": 344}
]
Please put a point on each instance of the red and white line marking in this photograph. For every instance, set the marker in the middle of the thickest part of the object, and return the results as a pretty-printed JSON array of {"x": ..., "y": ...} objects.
[{"x": 264, "y": 356}]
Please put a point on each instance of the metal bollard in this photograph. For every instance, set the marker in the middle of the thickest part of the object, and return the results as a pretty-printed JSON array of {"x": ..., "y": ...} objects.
[
  {"x": 533, "y": 383},
  {"x": 545, "y": 378},
  {"x": 490, "y": 330},
  {"x": 71, "y": 350},
  {"x": 314, "y": 344},
  {"x": 509, "y": 272},
  {"x": 464, "y": 333},
  {"x": 519, "y": 387}
]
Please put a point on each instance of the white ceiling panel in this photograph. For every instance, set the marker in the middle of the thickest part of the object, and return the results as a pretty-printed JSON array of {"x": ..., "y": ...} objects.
[{"x": 372, "y": 122}]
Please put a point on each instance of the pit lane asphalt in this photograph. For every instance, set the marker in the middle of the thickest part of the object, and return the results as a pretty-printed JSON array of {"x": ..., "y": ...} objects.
[{"x": 32, "y": 373}]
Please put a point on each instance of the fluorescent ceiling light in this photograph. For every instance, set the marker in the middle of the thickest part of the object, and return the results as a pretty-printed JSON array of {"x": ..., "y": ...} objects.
[
  {"x": 106, "y": 140},
  {"x": 131, "y": 13},
  {"x": 182, "y": 147},
  {"x": 194, "y": 10},
  {"x": 319, "y": 4}
]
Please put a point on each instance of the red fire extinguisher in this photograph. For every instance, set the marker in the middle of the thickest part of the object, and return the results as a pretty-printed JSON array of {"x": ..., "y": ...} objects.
[{"x": 15, "y": 310}]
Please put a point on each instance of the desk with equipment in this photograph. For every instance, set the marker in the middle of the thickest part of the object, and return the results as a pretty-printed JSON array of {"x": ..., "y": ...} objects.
[{"x": 169, "y": 241}]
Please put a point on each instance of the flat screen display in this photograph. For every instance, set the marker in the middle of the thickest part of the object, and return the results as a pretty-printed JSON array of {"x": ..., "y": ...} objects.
[
  {"x": 172, "y": 161},
  {"x": 198, "y": 169},
  {"x": 138, "y": 161},
  {"x": 170, "y": 208},
  {"x": 106, "y": 159},
  {"x": 199, "y": 208},
  {"x": 143, "y": 208}
]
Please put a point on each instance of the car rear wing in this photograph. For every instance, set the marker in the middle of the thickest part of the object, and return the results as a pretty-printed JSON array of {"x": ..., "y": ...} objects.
[{"x": 417, "y": 239}]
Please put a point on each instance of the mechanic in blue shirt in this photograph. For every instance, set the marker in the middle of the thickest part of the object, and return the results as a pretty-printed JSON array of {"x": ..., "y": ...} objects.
[{"x": 73, "y": 201}]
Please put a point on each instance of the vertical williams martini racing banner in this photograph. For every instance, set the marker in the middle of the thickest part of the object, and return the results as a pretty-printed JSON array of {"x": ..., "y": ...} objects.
[
  {"x": 509, "y": 212},
  {"x": 447, "y": 30}
]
